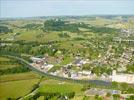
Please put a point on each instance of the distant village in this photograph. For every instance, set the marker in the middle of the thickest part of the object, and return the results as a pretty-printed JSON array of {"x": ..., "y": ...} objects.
[{"x": 125, "y": 34}]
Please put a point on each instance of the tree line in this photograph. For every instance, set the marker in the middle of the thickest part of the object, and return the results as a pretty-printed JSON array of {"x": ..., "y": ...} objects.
[
  {"x": 20, "y": 69},
  {"x": 59, "y": 25}
]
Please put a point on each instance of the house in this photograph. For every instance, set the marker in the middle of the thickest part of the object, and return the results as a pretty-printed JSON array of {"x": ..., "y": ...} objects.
[
  {"x": 74, "y": 75},
  {"x": 68, "y": 66},
  {"x": 86, "y": 73},
  {"x": 35, "y": 59},
  {"x": 80, "y": 62},
  {"x": 46, "y": 67}
]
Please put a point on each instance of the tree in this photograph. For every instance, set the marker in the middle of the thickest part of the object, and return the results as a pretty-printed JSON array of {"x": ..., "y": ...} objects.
[
  {"x": 85, "y": 98},
  {"x": 130, "y": 90},
  {"x": 96, "y": 97},
  {"x": 108, "y": 94},
  {"x": 130, "y": 98},
  {"x": 116, "y": 96},
  {"x": 124, "y": 87},
  {"x": 115, "y": 85},
  {"x": 85, "y": 87}
]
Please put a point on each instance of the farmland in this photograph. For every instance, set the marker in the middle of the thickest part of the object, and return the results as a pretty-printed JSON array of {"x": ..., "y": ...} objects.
[
  {"x": 15, "y": 85},
  {"x": 16, "y": 89},
  {"x": 77, "y": 47}
]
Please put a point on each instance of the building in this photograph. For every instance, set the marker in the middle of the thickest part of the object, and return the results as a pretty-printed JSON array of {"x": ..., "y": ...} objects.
[
  {"x": 35, "y": 59},
  {"x": 46, "y": 67},
  {"x": 127, "y": 78},
  {"x": 86, "y": 73},
  {"x": 101, "y": 92},
  {"x": 80, "y": 62}
]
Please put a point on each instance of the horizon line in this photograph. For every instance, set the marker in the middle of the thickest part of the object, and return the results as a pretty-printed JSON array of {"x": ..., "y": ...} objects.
[{"x": 66, "y": 16}]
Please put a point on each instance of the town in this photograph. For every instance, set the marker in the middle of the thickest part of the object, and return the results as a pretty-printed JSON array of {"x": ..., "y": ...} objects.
[{"x": 68, "y": 72}]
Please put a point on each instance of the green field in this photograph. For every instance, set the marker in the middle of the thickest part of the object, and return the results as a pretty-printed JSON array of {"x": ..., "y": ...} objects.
[
  {"x": 4, "y": 59},
  {"x": 19, "y": 76},
  {"x": 15, "y": 85},
  {"x": 7, "y": 63},
  {"x": 15, "y": 89},
  {"x": 53, "y": 87}
]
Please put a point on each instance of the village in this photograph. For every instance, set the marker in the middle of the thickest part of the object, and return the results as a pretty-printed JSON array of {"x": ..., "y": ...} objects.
[
  {"x": 66, "y": 49},
  {"x": 68, "y": 71}
]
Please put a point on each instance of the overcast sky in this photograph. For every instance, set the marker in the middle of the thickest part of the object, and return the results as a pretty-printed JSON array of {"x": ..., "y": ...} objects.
[{"x": 29, "y": 8}]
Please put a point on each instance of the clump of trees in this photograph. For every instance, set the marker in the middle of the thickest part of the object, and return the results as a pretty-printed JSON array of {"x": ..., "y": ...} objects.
[
  {"x": 48, "y": 96},
  {"x": 116, "y": 96},
  {"x": 130, "y": 98},
  {"x": 130, "y": 68},
  {"x": 14, "y": 70},
  {"x": 100, "y": 70},
  {"x": 59, "y": 25},
  {"x": 5, "y": 29},
  {"x": 103, "y": 30},
  {"x": 29, "y": 48},
  {"x": 78, "y": 38},
  {"x": 86, "y": 87}
]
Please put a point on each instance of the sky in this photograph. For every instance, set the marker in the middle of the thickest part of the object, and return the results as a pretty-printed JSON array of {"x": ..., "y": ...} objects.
[{"x": 30, "y": 8}]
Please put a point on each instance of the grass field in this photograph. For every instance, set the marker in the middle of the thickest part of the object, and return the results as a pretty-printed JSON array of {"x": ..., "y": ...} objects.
[
  {"x": 16, "y": 89},
  {"x": 7, "y": 63},
  {"x": 77, "y": 98},
  {"x": 66, "y": 60},
  {"x": 41, "y": 98},
  {"x": 53, "y": 86},
  {"x": 27, "y": 35},
  {"x": 4, "y": 59},
  {"x": 20, "y": 76},
  {"x": 9, "y": 66},
  {"x": 15, "y": 85}
]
